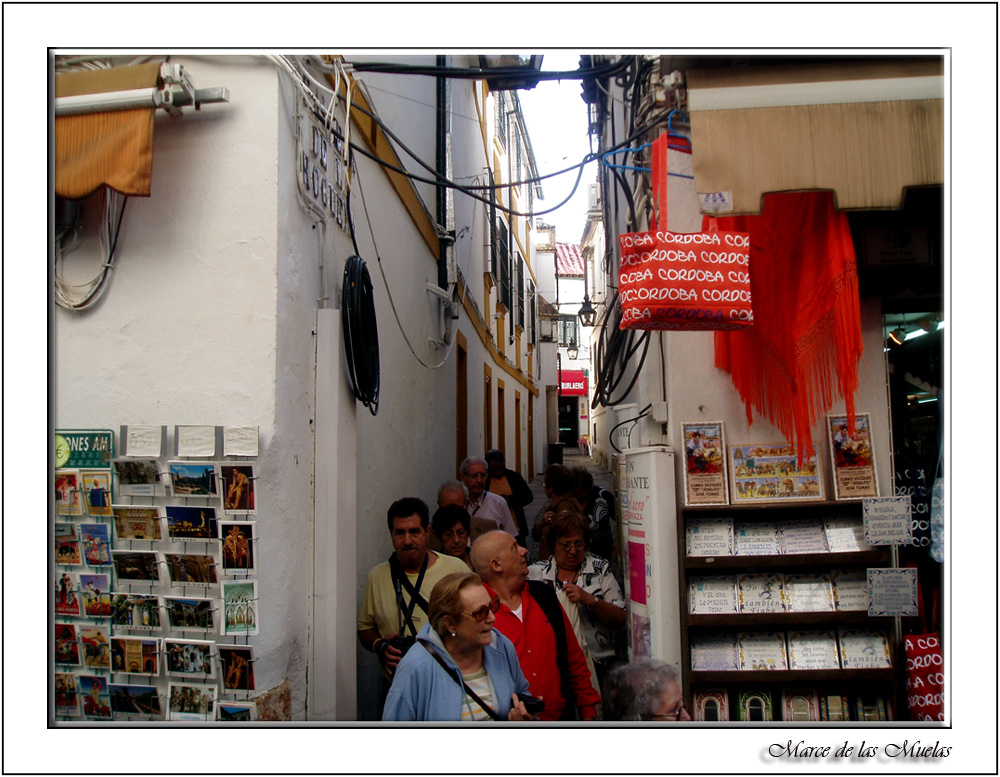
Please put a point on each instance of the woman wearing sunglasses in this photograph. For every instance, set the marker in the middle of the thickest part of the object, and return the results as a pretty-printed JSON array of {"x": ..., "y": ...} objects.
[{"x": 460, "y": 668}]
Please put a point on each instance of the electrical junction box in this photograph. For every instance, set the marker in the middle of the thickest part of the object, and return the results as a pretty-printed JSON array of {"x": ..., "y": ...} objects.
[{"x": 659, "y": 412}]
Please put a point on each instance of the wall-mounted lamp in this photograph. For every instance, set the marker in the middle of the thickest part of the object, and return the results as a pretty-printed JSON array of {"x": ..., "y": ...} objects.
[
  {"x": 587, "y": 313},
  {"x": 572, "y": 352},
  {"x": 896, "y": 337}
]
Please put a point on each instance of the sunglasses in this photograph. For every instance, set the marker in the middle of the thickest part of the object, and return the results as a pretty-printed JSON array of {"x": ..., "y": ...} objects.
[{"x": 480, "y": 613}]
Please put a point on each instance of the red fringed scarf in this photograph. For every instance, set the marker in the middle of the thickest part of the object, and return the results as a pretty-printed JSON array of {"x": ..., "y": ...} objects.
[{"x": 805, "y": 345}]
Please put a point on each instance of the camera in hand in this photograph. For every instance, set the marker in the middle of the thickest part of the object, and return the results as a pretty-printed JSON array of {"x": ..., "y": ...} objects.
[
  {"x": 532, "y": 704},
  {"x": 402, "y": 644}
]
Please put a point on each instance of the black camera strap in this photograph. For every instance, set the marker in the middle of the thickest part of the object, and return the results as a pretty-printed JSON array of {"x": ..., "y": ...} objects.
[
  {"x": 400, "y": 581},
  {"x": 475, "y": 697}
]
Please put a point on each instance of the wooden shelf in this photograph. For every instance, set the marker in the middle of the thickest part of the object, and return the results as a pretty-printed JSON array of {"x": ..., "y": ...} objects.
[
  {"x": 753, "y": 511},
  {"x": 795, "y": 677},
  {"x": 876, "y": 557},
  {"x": 787, "y": 620}
]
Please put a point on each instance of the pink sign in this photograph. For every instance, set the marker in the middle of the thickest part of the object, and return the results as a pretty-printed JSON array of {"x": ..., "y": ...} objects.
[{"x": 637, "y": 572}]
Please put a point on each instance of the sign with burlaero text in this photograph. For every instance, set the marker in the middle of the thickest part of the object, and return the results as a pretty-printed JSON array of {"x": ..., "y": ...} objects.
[
  {"x": 678, "y": 281},
  {"x": 573, "y": 383}
]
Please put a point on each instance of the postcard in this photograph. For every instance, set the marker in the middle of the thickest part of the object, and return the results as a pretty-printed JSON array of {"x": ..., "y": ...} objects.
[
  {"x": 756, "y": 705},
  {"x": 853, "y": 457},
  {"x": 68, "y": 496},
  {"x": 712, "y": 595},
  {"x": 833, "y": 706},
  {"x": 710, "y": 537},
  {"x": 845, "y": 535},
  {"x": 761, "y": 593},
  {"x": 67, "y": 646},
  {"x": 850, "y": 589},
  {"x": 136, "y": 566},
  {"x": 135, "y": 611},
  {"x": 240, "y": 440},
  {"x": 67, "y": 544},
  {"x": 135, "y": 701},
  {"x": 143, "y": 441},
  {"x": 762, "y": 651},
  {"x": 190, "y": 614},
  {"x": 864, "y": 649},
  {"x": 67, "y": 695},
  {"x": 888, "y": 520},
  {"x": 871, "y": 707},
  {"x": 193, "y": 479},
  {"x": 238, "y": 488},
  {"x": 195, "y": 441},
  {"x": 191, "y": 569},
  {"x": 235, "y": 710},
  {"x": 137, "y": 522},
  {"x": 805, "y": 536},
  {"x": 139, "y": 477},
  {"x": 238, "y": 539},
  {"x": 757, "y": 539},
  {"x": 191, "y": 523},
  {"x": 135, "y": 655},
  {"x": 892, "y": 592},
  {"x": 809, "y": 593},
  {"x": 714, "y": 652},
  {"x": 96, "y": 697},
  {"x": 95, "y": 539},
  {"x": 189, "y": 701},
  {"x": 799, "y": 704},
  {"x": 236, "y": 664},
  {"x": 67, "y": 600},
  {"x": 96, "y": 485},
  {"x": 96, "y": 647},
  {"x": 813, "y": 650},
  {"x": 189, "y": 658},
  {"x": 239, "y": 607},
  {"x": 96, "y": 593},
  {"x": 705, "y": 481},
  {"x": 770, "y": 472},
  {"x": 711, "y": 704}
]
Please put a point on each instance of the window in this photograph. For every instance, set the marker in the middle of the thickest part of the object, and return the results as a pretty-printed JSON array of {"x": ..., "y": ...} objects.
[
  {"x": 503, "y": 260},
  {"x": 568, "y": 332},
  {"x": 532, "y": 314},
  {"x": 519, "y": 289},
  {"x": 501, "y": 104}
]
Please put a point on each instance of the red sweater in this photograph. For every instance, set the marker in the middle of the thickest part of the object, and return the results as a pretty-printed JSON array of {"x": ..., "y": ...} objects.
[{"x": 535, "y": 642}]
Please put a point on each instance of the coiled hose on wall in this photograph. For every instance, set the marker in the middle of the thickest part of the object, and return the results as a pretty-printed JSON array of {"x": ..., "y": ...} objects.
[{"x": 360, "y": 333}]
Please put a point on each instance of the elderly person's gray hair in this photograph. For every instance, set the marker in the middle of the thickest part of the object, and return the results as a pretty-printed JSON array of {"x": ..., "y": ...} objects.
[
  {"x": 631, "y": 691},
  {"x": 453, "y": 486},
  {"x": 466, "y": 463}
]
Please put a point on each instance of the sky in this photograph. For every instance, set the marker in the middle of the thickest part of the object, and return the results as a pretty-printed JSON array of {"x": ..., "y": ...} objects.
[{"x": 556, "y": 116}]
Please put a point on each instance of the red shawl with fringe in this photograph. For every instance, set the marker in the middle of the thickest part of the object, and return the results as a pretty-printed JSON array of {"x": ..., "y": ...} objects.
[{"x": 805, "y": 345}]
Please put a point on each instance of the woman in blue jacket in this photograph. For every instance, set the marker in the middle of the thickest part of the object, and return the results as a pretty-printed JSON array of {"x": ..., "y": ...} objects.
[{"x": 460, "y": 668}]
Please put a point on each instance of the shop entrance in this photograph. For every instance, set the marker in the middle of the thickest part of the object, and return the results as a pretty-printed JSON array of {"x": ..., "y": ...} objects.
[{"x": 569, "y": 421}]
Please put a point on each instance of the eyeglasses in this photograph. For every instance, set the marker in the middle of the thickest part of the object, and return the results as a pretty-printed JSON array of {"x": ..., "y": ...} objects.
[
  {"x": 481, "y": 613},
  {"x": 674, "y": 714},
  {"x": 567, "y": 545}
]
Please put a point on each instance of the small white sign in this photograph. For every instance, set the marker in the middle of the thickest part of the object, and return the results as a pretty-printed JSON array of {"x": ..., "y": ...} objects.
[
  {"x": 809, "y": 593},
  {"x": 850, "y": 589},
  {"x": 716, "y": 202},
  {"x": 887, "y": 520},
  {"x": 892, "y": 592},
  {"x": 240, "y": 441},
  {"x": 845, "y": 535},
  {"x": 714, "y": 653},
  {"x": 195, "y": 441},
  {"x": 813, "y": 650},
  {"x": 712, "y": 595},
  {"x": 709, "y": 537},
  {"x": 144, "y": 441}
]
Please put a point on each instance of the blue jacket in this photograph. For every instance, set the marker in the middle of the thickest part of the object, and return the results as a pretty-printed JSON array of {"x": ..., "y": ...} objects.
[{"x": 422, "y": 690}]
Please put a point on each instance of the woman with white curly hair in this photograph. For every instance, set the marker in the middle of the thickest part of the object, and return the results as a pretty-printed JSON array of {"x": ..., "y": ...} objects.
[{"x": 645, "y": 689}]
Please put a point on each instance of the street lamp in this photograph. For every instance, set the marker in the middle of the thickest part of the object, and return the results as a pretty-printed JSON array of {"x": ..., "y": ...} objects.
[
  {"x": 572, "y": 352},
  {"x": 587, "y": 313}
]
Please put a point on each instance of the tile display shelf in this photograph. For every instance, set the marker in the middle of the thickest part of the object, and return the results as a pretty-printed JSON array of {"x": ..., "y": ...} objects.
[{"x": 885, "y": 682}]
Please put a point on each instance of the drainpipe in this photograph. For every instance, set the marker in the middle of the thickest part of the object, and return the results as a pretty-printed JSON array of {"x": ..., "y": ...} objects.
[{"x": 443, "y": 214}]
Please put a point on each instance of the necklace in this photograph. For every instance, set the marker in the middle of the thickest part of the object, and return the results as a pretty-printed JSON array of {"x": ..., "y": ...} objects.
[{"x": 572, "y": 576}]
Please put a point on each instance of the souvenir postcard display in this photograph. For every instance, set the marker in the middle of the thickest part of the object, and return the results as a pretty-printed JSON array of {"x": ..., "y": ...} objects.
[{"x": 155, "y": 552}]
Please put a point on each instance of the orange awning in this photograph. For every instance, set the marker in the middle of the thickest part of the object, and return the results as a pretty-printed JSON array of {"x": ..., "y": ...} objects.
[{"x": 111, "y": 148}]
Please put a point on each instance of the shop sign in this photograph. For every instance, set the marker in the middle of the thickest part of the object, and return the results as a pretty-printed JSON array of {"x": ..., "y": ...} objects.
[
  {"x": 572, "y": 383},
  {"x": 78, "y": 448}
]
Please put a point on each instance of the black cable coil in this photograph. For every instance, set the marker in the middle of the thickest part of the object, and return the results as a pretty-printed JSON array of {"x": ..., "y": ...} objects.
[{"x": 360, "y": 333}]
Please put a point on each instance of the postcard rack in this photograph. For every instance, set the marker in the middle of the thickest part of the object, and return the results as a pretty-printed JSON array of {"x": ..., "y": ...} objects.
[
  {"x": 156, "y": 596},
  {"x": 775, "y": 623}
]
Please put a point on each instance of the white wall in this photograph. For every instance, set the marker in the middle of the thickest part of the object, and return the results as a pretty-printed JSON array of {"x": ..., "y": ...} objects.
[{"x": 192, "y": 329}]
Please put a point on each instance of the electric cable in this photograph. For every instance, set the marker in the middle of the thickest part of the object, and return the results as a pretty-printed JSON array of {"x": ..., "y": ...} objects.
[
  {"x": 95, "y": 288},
  {"x": 486, "y": 74},
  {"x": 361, "y": 333},
  {"x": 611, "y": 434}
]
